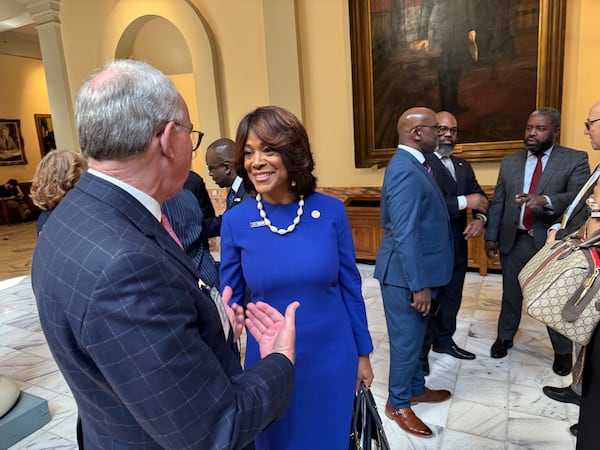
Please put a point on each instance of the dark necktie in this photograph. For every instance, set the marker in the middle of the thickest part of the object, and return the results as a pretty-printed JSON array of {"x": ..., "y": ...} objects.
[
  {"x": 428, "y": 168},
  {"x": 230, "y": 197},
  {"x": 535, "y": 181}
]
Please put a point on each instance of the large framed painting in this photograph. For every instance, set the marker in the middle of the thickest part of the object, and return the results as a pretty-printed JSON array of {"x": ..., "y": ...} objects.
[
  {"x": 489, "y": 62},
  {"x": 11, "y": 143}
]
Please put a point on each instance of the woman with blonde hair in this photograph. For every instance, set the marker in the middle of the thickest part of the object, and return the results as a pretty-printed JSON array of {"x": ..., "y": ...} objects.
[{"x": 55, "y": 175}]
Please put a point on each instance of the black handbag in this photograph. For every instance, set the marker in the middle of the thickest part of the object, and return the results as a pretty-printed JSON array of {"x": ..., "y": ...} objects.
[{"x": 366, "y": 428}]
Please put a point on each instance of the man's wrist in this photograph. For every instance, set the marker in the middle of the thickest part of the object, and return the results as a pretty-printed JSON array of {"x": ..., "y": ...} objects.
[{"x": 481, "y": 217}]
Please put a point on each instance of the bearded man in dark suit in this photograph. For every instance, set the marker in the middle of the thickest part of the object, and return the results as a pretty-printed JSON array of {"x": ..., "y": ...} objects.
[
  {"x": 519, "y": 218},
  {"x": 460, "y": 188}
]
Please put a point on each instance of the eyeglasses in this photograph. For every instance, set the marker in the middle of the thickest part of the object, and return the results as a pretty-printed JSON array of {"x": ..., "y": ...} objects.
[
  {"x": 213, "y": 168},
  {"x": 443, "y": 130},
  {"x": 195, "y": 136},
  {"x": 437, "y": 127},
  {"x": 588, "y": 123}
]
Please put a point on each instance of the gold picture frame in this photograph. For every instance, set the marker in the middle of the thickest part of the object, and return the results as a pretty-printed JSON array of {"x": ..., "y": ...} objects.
[
  {"x": 45, "y": 133},
  {"x": 367, "y": 64},
  {"x": 12, "y": 150}
]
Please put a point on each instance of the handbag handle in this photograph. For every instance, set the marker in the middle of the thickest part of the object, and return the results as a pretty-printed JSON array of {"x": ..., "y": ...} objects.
[{"x": 589, "y": 242}]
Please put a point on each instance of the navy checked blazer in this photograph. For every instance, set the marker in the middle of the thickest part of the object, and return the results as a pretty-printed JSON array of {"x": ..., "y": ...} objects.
[{"x": 140, "y": 345}]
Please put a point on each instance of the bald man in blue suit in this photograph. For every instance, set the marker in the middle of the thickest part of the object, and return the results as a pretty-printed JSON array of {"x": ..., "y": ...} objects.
[{"x": 416, "y": 255}]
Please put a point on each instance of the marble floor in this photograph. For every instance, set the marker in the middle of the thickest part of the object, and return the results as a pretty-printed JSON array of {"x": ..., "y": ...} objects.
[{"x": 496, "y": 404}]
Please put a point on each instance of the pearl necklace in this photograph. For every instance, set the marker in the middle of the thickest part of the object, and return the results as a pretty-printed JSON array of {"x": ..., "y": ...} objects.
[{"x": 274, "y": 229}]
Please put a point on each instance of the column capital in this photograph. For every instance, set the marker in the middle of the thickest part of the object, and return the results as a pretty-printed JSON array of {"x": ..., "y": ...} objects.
[{"x": 44, "y": 11}]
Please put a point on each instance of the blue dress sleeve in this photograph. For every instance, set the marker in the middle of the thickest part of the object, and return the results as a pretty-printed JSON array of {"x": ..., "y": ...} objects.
[{"x": 351, "y": 285}]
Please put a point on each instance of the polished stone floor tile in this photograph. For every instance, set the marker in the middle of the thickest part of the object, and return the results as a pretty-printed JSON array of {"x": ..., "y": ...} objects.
[{"x": 496, "y": 403}]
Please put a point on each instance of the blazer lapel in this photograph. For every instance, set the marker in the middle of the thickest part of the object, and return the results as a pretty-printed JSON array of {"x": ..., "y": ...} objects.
[
  {"x": 551, "y": 166},
  {"x": 519, "y": 172}
]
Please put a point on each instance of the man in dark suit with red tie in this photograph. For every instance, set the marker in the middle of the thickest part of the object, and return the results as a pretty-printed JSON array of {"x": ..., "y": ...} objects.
[
  {"x": 147, "y": 352},
  {"x": 534, "y": 188},
  {"x": 460, "y": 188}
]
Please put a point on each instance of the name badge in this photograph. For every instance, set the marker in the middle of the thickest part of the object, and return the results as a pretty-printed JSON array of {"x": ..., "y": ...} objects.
[
  {"x": 258, "y": 223},
  {"x": 218, "y": 301}
]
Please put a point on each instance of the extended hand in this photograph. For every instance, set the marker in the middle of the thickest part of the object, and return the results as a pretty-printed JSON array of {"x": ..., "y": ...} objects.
[
  {"x": 531, "y": 200},
  {"x": 473, "y": 229},
  {"x": 273, "y": 332}
]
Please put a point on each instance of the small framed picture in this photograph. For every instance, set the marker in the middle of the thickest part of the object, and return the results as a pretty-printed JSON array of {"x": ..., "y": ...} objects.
[
  {"x": 45, "y": 132},
  {"x": 11, "y": 143}
]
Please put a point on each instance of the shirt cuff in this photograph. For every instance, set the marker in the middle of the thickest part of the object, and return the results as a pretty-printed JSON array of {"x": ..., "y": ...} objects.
[
  {"x": 462, "y": 202},
  {"x": 548, "y": 208}
]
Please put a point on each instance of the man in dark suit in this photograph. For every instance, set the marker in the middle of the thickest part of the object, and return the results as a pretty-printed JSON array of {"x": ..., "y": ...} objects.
[
  {"x": 219, "y": 161},
  {"x": 519, "y": 218},
  {"x": 460, "y": 188},
  {"x": 453, "y": 35},
  {"x": 147, "y": 353},
  {"x": 211, "y": 223},
  {"x": 415, "y": 256}
]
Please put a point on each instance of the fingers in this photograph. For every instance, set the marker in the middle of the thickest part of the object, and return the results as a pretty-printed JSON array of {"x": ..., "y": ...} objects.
[
  {"x": 226, "y": 295},
  {"x": 290, "y": 314}
]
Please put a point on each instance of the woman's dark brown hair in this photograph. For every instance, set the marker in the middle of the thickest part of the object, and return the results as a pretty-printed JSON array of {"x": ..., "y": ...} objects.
[{"x": 282, "y": 131}]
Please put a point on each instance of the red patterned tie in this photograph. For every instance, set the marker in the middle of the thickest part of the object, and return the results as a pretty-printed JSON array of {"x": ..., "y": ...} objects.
[
  {"x": 535, "y": 181},
  {"x": 167, "y": 225}
]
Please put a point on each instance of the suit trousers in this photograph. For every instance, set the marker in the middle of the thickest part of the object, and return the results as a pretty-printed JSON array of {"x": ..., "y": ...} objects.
[
  {"x": 512, "y": 298},
  {"x": 587, "y": 432},
  {"x": 406, "y": 330},
  {"x": 443, "y": 325}
]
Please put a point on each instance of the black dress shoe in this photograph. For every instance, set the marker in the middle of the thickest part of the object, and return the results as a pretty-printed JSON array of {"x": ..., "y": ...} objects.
[
  {"x": 500, "y": 348},
  {"x": 424, "y": 363},
  {"x": 573, "y": 429},
  {"x": 455, "y": 351},
  {"x": 564, "y": 394},
  {"x": 562, "y": 364}
]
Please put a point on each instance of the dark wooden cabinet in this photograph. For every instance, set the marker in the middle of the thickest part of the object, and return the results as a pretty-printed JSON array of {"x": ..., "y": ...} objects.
[{"x": 363, "y": 214}]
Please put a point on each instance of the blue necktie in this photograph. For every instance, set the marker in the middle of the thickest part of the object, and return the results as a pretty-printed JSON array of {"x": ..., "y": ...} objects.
[{"x": 230, "y": 197}]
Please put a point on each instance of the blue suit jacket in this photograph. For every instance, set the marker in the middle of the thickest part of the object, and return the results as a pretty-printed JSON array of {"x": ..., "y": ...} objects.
[
  {"x": 140, "y": 345},
  {"x": 416, "y": 249}
]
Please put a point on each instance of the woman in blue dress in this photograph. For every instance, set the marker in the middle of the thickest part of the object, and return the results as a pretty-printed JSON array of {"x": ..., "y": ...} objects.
[{"x": 292, "y": 243}]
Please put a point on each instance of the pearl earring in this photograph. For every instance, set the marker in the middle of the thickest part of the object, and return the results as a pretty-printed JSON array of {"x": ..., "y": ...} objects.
[{"x": 293, "y": 183}]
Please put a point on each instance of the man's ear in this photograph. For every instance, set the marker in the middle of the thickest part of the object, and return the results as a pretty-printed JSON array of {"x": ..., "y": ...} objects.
[{"x": 165, "y": 138}]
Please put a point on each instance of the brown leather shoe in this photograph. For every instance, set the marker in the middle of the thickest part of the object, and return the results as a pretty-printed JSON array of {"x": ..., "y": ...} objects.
[
  {"x": 406, "y": 419},
  {"x": 431, "y": 396}
]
